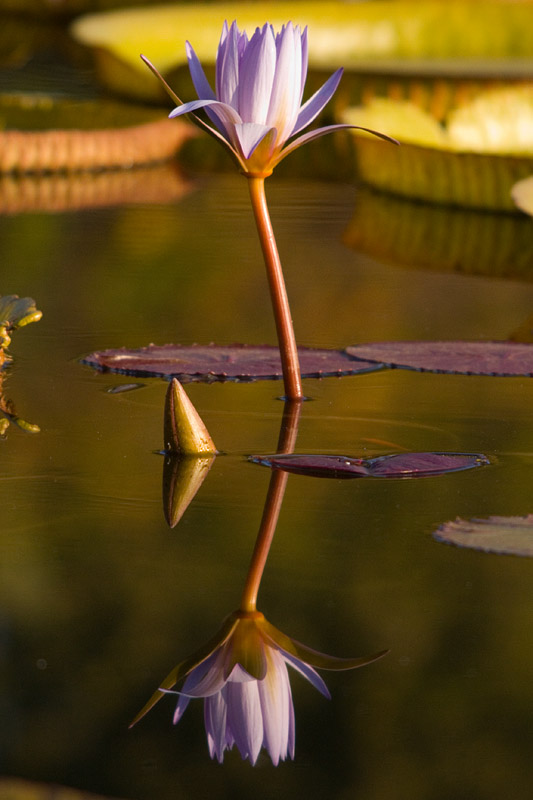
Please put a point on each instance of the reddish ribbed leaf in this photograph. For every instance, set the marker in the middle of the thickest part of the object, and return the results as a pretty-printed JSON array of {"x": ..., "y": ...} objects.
[
  {"x": 403, "y": 465},
  {"x": 504, "y": 535},
  {"x": 503, "y": 359},
  {"x": 238, "y": 362}
]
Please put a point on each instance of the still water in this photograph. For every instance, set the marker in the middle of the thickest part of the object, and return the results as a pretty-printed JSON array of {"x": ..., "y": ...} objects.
[{"x": 99, "y": 598}]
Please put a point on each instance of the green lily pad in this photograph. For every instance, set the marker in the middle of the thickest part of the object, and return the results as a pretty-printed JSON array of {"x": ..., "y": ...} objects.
[
  {"x": 358, "y": 36},
  {"x": 503, "y": 535}
]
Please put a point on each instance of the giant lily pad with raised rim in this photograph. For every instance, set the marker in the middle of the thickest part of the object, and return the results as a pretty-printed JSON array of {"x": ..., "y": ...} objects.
[
  {"x": 503, "y": 535},
  {"x": 44, "y": 134},
  {"x": 402, "y": 465},
  {"x": 388, "y": 37},
  {"x": 209, "y": 363},
  {"x": 497, "y": 359},
  {"x": 483, "y": 150}
]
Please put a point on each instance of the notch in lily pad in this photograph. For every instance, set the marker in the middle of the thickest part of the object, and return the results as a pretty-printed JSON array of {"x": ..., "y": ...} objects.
[{"x": 402, "y": 465}]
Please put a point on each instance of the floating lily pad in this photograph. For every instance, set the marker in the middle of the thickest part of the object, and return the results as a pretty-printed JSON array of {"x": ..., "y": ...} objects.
[
  {"x": 502, "y": 359},
  {"x": 44, "y": 134},
  {"x": 219, "y": 363},
  {"x": 504, "y": 535},
  {"x": 402, "y": 465},
  {"x": 484, "y": 148}
]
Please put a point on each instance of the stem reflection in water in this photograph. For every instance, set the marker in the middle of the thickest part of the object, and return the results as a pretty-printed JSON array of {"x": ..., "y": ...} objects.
[{"x": 242, "y": 671}]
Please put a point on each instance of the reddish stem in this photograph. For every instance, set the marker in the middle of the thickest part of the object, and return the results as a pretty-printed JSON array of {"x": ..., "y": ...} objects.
[{"x": 278, "y": 293}]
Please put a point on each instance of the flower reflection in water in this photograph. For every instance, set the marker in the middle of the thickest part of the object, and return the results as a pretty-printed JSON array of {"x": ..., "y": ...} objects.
[
  {"x": 242, "y": 676},
  {"x": 242, "y": 672}
]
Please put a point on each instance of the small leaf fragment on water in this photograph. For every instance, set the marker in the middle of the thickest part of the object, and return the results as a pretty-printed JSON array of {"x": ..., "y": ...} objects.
[
  {"x": 503, "y": 535},
  {"x": 184, "y": 431},
  {"x": 496, "y": 359},
  {"x": 402, "y": 465}
]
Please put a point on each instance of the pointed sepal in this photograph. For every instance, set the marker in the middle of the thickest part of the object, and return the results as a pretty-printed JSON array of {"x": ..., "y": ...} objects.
[
  {"x": 186, "y": 666},
  {"x": 314, "y": 657}
]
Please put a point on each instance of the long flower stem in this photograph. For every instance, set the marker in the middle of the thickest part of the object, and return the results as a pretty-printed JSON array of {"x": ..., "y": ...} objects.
[
  {"x": 278, "y": 293},
  {"x": 276, "y": 491}
]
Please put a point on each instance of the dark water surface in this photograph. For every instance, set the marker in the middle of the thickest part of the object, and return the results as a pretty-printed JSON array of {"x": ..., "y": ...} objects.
[{"x": 99, "y": 599}]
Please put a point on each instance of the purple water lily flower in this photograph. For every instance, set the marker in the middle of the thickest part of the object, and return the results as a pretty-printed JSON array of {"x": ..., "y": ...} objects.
[
  {"x": 242, "y": 676},
  {"x": 257, "y": 105}
]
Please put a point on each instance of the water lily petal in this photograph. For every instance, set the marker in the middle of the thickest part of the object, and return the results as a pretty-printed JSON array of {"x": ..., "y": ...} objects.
[
  {"x": 220, "y": 56},
  {"x": 250, "y": 135},
  {"x": 226, "y": 112},
  {"x": 312, "y": 108},
  {"x": 201, "y": 84},
  {"x": 228, "y": 74},
  {"x": 305, "y": 61},
  {"x": 244, "y": 718},
  {"x": 285, "y": 100},
  {"x": 257, "y": 69}
]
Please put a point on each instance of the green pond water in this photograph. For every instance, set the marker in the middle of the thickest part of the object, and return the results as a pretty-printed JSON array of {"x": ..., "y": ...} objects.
[{"x": 99, "y": 598}]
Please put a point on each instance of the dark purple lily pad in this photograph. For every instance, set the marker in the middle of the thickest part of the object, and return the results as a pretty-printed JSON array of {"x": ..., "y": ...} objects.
[
  {"x": 402, "y": 465},
  {"x": 503, "y": 359},
  {"x": 238, "y": 362},
  {"x": 504, "y": 535}
]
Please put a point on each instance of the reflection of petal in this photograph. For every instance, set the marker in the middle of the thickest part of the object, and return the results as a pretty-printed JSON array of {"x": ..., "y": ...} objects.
[
  {"x": 276, "y": 705},
  {"x": 244, "y": 717},
  {"x": 215, "y": 711},
  {"x": 309, "y": 673},
  {"x": 182, "y": 478}
]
